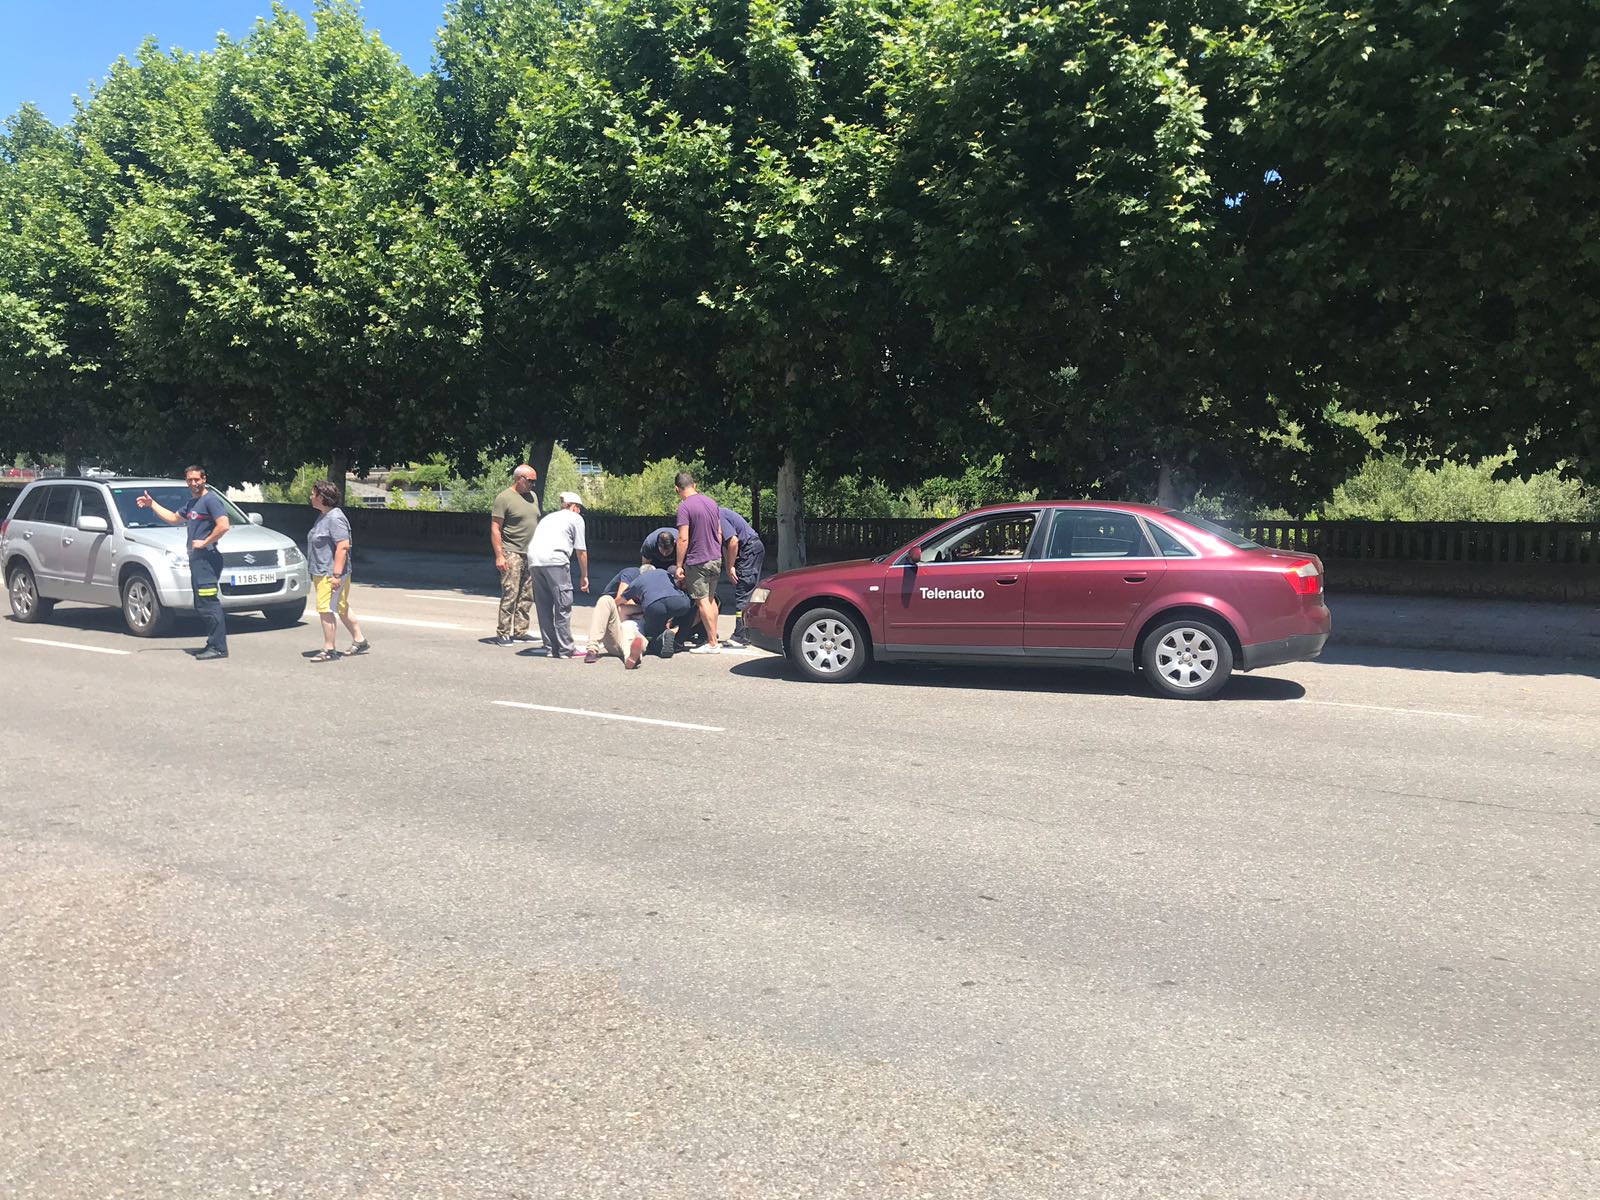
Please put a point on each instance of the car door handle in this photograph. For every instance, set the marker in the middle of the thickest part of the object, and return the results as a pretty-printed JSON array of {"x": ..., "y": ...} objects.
[
  {"x": 1134, "y": 578},
  {"x": 1008, "y": 578},
  {"x": 66, "y": 541}
]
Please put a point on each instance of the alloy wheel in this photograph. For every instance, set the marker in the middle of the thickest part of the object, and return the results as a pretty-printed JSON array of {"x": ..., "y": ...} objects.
[
  {"x": 829, "y": 645},
  {"x": 1187, "y": 657}
]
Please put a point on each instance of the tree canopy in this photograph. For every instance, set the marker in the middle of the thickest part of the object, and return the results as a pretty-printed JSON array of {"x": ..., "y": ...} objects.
[{"x": 1131, "y": 248}]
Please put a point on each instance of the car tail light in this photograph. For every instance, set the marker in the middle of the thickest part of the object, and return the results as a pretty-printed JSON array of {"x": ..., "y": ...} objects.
[{"x": 1305, "y": 578}]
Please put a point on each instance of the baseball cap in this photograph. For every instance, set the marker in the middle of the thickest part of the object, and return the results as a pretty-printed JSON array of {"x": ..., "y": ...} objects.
[{"x": 571, "y": 498}]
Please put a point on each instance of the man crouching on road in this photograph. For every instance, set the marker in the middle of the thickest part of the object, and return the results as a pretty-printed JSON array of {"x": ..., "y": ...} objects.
[
  {"x": 511, "y": 526},
  {"x": 207, "y": 521},
  {"x": 555, "y": 540}
]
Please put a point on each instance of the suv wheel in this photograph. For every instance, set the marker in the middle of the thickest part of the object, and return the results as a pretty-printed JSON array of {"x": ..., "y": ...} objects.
[
  {"x": 142, "y": 609},
  {"x": 828, "y": 646},
  {"x": 27, "y": 605},
  {"x": 281, "y": 616},
  {"x": 1188, "y": 660}
]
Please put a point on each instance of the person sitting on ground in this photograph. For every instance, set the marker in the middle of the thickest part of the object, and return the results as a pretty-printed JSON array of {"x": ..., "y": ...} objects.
[{"x": 614, "y": 625}]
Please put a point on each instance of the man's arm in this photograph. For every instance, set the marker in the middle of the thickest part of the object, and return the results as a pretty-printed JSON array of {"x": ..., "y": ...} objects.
[
  {"x": 162, "y": 513},
  {"x": 218, "y": 527},
  {"x": 496, "y": 524},
  {"x": 583, "y": 570},
  {"x": 730, "y": 556},
  {"x": 683, "y": 548}
]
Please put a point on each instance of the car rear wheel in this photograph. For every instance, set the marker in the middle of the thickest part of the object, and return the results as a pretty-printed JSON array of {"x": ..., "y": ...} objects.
[
  {"x": 281, "y": 616},
  {"x": 828, "y": 646},
  {"x": 142, "y": 610},
  {"x": 1187, "y": 659},
  {"x": 27, "y": 605}
]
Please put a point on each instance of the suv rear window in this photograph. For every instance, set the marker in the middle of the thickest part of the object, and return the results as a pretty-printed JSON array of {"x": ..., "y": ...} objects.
[
  {"x": 27, "y": 508},
  {"x": 1215, "y": 530},
  {"x": 173, "y": 496},
  {"x": 57, "y": 506}
]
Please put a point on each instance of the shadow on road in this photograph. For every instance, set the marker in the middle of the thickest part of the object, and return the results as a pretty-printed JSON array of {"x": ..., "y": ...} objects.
[
  {"x": 1053, "y": 680},
  {"x": 181, "y": 627},
  {"x": 1458, "y": 661}
]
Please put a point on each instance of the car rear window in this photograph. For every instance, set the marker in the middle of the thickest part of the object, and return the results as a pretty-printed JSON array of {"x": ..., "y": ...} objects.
[
  {"x": 170, "y": 496},
  {"x": 1215, "y": 530},
  {"x": 57, "y": 506},
  {"x": 1096, "y": 533}
]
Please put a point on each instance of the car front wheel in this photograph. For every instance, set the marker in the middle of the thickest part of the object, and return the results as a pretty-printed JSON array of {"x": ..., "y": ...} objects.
[
  {"x": 828, "y": 646},
  {"x": 281, "y": 616},
  {"x": 1188, "y": 660},
  {"x": 26, "y": 603},
  {"x": 142, "y": 610}
]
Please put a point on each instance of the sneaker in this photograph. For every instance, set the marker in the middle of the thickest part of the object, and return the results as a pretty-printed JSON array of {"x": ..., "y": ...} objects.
[
  {"x": 706, "y": 648},
  {"x": 667, "y": 644},
  {"x": 504, "y": 640},
  {"x": 592, "y": 656},
  {"x": 523, "y": 637},
  {"x": 736, "y": 639},
  {"x": 210, "y": 655},
  {"x": 635, "y": 653}
]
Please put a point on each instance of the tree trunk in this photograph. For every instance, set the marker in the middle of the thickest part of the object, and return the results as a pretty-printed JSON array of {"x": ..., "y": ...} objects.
[
  {"x": 755, "y": 503},
  {"x": 791, "y": 514},
  {"x": 1167, "y": 494},
  {"x": 339, "y": 470},
  {"x": 539, "y": 459}
]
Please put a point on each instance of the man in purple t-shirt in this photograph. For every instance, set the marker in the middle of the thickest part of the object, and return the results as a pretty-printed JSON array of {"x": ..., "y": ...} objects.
[{"x": 699, "y": 555}]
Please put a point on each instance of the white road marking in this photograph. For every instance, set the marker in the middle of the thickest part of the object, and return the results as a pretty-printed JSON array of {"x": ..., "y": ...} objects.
[
  {"x": 1420, "y": 712},
  {"x": 72, "y": 646},
  {"x": 453, "y": 599},
  {"x": 584, "y": 712},
  {"x": 409, "y": 621}
]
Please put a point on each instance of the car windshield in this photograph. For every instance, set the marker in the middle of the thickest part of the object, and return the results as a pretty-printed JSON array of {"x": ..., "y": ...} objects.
[
  {"x": 1215, "y": 530},
  {"x": 172, "y": 496}
]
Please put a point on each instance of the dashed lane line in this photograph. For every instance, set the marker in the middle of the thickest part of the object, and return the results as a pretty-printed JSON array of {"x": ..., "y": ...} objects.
[
  {"x": 71, "y": 646},
  {"x": 584, "y": 712}
]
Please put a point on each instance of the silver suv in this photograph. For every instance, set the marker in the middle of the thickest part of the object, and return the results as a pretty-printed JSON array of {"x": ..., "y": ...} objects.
[{"x": 85, "y": 540}]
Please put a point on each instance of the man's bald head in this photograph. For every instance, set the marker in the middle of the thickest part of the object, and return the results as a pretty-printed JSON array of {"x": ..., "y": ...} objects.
[{"x": 522, "y": 478}]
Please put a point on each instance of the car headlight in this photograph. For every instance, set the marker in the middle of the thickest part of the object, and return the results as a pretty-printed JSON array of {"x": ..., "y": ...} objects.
[
  {"x": 759, "y": 596},
  {"x": 178, "y": 562},
  {"x": 292, "y": 557}
]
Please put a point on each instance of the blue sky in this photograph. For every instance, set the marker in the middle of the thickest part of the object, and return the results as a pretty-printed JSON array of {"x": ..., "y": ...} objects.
[{"x": 54, "y": 49}]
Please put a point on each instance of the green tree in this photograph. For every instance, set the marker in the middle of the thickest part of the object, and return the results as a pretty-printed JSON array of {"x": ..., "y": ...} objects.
[
  {"x": 59, "y": 356},
  {"x": 284, "y": 255},
  {"x": 1437, "y": 217}
]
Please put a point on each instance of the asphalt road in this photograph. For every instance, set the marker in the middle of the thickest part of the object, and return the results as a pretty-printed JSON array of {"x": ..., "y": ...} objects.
[{"x": 377, "y": 928}]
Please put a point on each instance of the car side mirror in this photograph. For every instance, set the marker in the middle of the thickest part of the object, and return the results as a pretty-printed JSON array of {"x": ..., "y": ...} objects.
[
  {"x": 255, "y": 519},
  {"x": 88, "y": 524},
  {"x": 914, "y": 555}
]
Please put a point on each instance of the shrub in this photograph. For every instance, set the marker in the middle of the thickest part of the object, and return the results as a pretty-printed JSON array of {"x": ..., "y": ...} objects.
[{"x": 1391, "y": 489}]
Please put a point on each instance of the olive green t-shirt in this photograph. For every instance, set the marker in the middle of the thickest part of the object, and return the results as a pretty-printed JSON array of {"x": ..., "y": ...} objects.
[{"x": 520, "y": 514}]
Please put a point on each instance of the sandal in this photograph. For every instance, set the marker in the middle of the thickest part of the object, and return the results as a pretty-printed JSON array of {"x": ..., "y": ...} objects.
[
  {"x": 359, "y": 647},
  {"x": 324, "y": 656}
]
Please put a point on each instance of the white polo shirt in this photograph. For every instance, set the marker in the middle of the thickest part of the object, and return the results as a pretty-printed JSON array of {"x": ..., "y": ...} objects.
[{"x": 555, "y": 538}]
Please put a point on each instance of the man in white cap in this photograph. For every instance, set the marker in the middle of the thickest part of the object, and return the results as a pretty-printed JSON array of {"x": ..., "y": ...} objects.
[
  {"x": 555, "y": 540},
  {"x": 511, "y": 525}
]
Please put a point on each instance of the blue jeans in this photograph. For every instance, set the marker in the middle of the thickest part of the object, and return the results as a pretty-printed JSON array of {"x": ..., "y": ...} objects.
[{"x": 205, "y": 570}]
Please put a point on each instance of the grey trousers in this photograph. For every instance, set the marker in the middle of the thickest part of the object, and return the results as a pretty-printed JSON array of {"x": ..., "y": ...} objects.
[{"x": 552, "y": 599}]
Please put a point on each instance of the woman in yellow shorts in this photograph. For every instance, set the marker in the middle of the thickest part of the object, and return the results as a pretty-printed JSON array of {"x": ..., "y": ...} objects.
[{"x": 328, "y": 556}]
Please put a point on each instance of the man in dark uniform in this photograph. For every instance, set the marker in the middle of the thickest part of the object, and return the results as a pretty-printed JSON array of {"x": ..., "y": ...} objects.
[
  {"x": 207, "y": 521},
  {"x": 744, "y": 556},
  {"x": 660, "y": 549}
]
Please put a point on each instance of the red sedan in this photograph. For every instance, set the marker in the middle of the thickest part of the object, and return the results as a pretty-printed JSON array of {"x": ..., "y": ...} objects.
[{"x": 1124, "y": 586}]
